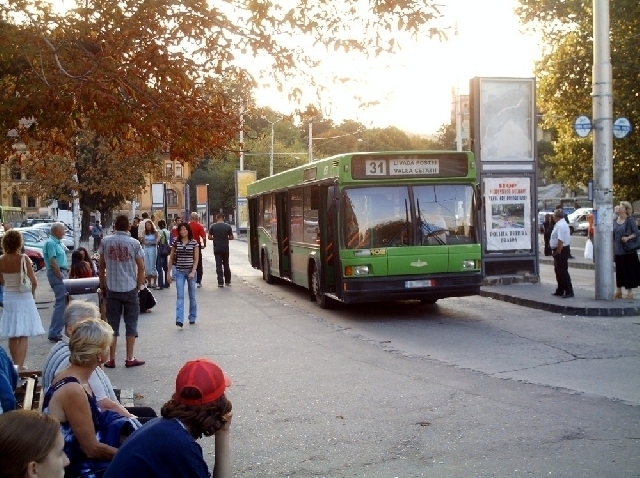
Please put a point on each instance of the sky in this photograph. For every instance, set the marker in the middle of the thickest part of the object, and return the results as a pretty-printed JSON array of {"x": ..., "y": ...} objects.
[{"x": 413, "y": 87}]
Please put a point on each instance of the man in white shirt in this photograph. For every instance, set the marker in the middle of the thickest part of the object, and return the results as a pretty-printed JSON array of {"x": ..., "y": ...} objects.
[
  {"x": 58, "y": 358},
  {"x": 560, "y": 243}
]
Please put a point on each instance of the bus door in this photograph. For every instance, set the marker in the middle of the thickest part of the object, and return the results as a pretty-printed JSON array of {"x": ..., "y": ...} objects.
[
  {"x": 284, "y": 246},
  {"x": 252, "y": 233},
  {"x": 328, "y": 226}
]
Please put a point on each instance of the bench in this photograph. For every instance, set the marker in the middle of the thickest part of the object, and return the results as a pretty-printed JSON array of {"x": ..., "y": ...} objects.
[{"x": 28, "y": 393}]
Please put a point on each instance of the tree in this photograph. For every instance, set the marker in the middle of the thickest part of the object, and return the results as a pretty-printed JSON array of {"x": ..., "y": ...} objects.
[
  {"x": 564, "y": 86},
  {"x": 146, "y": 76}
]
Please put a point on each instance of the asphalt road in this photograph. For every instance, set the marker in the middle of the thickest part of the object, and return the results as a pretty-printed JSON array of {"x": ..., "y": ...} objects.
[{"x": 467, "y": 387}]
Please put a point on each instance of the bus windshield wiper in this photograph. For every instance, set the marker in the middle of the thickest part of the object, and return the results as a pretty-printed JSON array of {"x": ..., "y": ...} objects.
[{"x": 430, "y": 231}]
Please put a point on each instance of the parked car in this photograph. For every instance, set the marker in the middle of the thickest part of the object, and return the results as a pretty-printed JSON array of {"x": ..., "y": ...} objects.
[
  {"x": 583, "y": 211},
  {"x": 579, "y": 224},
  {"x": 35, "y": 254},
  {"x": 38, "y": 220},
  {"x": 32, "y": 238},
  {"x": 45, "y": 228}
]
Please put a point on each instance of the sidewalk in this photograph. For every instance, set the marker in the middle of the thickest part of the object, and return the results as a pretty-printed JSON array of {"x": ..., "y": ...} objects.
[{"x": 539, "y": 296}]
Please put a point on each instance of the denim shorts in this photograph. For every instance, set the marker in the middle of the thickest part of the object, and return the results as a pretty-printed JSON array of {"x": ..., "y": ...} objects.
[{"x": 126, "y": 304}]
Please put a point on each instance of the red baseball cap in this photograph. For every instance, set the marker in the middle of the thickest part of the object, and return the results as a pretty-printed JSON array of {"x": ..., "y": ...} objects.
[{"x": 203, "y": 375}]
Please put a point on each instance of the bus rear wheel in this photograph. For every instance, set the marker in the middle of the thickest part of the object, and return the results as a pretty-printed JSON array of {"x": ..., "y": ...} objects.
[
  {"x": 266, "y": 272},
  {"x": 322, "y": 300}
]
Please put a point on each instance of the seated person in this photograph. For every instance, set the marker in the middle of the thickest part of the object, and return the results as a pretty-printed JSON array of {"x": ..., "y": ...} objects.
[
  {"x": 58, "y": 360},
  {"x": 31, "y": 445},
  {"x": 8, "y": 382},
  {"x": 71, "y": 400},
  {"x": 80, "y": 268},
  {"x": 166, "y": 446}
]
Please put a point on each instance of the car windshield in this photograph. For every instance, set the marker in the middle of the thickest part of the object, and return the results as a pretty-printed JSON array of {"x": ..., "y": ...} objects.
[{"x": 396, "y": 216}]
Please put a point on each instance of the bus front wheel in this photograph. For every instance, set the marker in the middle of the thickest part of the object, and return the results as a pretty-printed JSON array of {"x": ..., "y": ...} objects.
[
  {"x": 322, "y": 300},
  {"x": 266, "y": 272}
]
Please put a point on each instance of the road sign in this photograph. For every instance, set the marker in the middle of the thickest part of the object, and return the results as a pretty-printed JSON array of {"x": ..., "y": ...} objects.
[
  {"x": 621, "y": 127},
  {"x": 582, "y": 125}
]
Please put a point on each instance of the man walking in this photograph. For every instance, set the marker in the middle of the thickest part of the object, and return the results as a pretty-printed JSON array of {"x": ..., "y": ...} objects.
[
  {"x": 221, "y": 233},
  {"x": 200, "y": 236},
  {"x": 560, "y": 243},
  {"x": 96, "y": 234},
  {"x": 55, "y": 260},
  {"x": 122, "y": 276}
]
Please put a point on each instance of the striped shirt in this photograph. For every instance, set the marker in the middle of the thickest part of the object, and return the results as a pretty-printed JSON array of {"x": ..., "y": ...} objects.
[{"x": 184, "y": 254}]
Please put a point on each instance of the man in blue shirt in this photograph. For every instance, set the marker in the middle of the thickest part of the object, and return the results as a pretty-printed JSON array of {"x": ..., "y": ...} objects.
[
  {"x": 96, "y": 234},
  {"x": 55, "y": 260}
]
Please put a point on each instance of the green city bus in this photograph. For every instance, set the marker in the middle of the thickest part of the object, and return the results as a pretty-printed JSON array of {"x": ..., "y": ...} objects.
[
  {"x": 365, "y": 227},
  {"x": 11, "y": 215}
]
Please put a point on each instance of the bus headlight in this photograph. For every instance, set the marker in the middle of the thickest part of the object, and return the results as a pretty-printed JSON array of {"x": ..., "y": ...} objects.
[
  {"x": 350, "y": 271},
  {"x": 470, "y": 264}
]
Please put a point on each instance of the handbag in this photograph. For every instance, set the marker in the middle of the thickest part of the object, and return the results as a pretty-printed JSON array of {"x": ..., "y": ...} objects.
[
  {"x": 146, "y": 299},
  {"x": 163, "y": 247},
  {"x": 632, "y": 244},
  {"x": 25, "y": 282}
]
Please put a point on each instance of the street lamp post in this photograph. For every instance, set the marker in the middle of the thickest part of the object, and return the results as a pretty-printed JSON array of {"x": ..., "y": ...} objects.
[{"x": 271, "y": 154}]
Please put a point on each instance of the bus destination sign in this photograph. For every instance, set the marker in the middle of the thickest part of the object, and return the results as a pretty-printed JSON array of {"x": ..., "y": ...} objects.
[
  {"x": 412, "y": 167},
  {"x": 422, "y": 165}
]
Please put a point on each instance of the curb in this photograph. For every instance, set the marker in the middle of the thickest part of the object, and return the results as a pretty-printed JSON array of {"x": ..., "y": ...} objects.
[
  {"x": 572, "y": 263},
  {"x": 563, "y": 309}
]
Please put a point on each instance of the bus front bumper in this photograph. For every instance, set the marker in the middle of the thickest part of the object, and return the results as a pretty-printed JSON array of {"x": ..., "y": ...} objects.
[{"x": 432, "y": 287}]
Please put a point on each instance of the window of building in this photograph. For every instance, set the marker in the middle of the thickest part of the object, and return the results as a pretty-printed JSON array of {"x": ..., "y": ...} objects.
[
  {"x": 31, "y": 201},
  {"x": 169, "y": 169},
  {"x": 172, "y": 198},
  {"x": 178, "y": 170},
  {"x": 16, "y": 173},
  {"x": 16, "y": 200}
]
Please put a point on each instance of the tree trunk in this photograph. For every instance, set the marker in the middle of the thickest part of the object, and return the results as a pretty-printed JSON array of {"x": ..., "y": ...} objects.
[{"x": 84, "y": 225}]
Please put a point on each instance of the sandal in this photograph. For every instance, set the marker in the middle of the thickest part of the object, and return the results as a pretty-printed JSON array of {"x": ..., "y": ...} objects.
[
  {"x": 617, "y": 295},
  {"x": 110, "y": 364}
]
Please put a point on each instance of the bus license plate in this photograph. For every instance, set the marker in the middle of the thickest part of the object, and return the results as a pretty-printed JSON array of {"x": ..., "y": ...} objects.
[{"x": 416, "y": 284}]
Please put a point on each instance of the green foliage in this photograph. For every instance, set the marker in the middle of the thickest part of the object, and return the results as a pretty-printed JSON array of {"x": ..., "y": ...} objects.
[{"x": 564, "y": 86}]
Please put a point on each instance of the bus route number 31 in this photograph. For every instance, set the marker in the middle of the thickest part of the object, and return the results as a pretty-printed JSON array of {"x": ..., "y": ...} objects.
[{"x": 376, "y": 168}]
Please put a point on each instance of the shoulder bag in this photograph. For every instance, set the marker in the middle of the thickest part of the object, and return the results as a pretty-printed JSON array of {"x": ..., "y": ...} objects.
[
  {"x": 163, "y": 247},
  {"x": 632, "y": 244},
  {"x": 25, "y": 282}
]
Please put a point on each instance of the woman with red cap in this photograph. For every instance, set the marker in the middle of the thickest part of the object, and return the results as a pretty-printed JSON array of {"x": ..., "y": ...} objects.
[{"x": 166, "y": 446}]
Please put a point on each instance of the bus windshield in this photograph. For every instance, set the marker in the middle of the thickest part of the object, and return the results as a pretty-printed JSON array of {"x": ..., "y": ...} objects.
[{"x": 397, "y": 216}]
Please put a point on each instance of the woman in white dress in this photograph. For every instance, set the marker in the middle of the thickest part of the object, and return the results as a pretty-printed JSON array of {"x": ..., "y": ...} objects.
[{"x": 20, "y": 317}]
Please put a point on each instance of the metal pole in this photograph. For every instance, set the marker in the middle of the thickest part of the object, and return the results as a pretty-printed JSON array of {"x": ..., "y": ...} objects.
[
  {"x": 310, "y": 141},
  {"x": 208, "y": 215},
  {"x": 458, "y": 112},
  {"x": 241, "y": 137},
  {"x": 165, "y": 206},
  {"x": 602, "y": 151},
  {"x": 271, "y": 154}
]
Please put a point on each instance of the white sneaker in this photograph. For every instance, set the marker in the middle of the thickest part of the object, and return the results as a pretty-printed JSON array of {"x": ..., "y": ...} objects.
[{"x": 198, "y": 285}]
